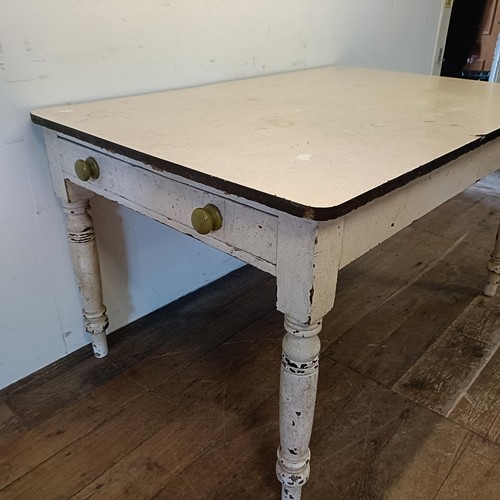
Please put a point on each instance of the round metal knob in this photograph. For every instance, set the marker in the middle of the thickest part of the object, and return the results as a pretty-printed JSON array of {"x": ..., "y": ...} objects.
[
  {"x": 206, "y": 219},
  {"x": 87, "y": 169}
]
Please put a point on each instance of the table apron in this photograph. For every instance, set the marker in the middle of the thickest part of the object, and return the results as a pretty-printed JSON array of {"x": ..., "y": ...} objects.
[
  {"x": 383, "y": 217},
  {"x": 250, "y": 232},
  {"x": 247, "y": 233}
]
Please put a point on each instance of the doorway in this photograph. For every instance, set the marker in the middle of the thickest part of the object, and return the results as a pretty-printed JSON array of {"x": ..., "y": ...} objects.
[
  {"x": 471, "y": 39},
  {"x": 489, "y": 35}
]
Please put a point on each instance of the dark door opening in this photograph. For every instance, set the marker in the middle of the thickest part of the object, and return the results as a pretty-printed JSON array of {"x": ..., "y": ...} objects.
[{"x": 471, "y": 39}]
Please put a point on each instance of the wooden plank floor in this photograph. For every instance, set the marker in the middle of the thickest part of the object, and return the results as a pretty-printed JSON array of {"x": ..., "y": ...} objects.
[{"x": 185, "y": 407}]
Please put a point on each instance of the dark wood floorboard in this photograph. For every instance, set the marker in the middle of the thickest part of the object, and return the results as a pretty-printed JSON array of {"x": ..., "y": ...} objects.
[
  {"x": 186, "y": 405},
  {"x": 235, "y": 300}
]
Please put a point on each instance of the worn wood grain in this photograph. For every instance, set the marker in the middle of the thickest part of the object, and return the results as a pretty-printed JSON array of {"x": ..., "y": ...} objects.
[
  {"x": 414, "y": 462},
  {"x": 239, "y": 467},
  {"x": 57, "y": 386},
  {"x": 481, "y": 320},
  {"x": 476, "y": 474},
  {"x": 11, "y": 426},
  {"x": 388, "y": 340},
  {"x": 213, "y": 401},
  {"x": 448, "y": 368},
  {"x": 253, "y": 447},
  {"x": 23, "y": 454},
  {"x": 347, "y": 443},
  {"x": 389, "y": 270},
  {"x": 479, "y": 407},
  {"x": 477, "y": 216},
  {"x": 173, "y": 462},
  {"x": 381, "y": 273},
  {"x": 187, "y": 345},
  {"x": 36, "y": 402},
  {"x": 69, "y": 470}
]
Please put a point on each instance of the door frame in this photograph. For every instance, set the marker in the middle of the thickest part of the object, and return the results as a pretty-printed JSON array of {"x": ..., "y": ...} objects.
[{"x": 442, "y": 32}]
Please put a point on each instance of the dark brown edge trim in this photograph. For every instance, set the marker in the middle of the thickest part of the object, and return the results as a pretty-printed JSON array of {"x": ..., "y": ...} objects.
[{"x": 268, "y": 200}]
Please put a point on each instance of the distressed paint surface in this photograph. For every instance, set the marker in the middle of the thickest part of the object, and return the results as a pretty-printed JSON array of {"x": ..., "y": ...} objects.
[
  {"x": 373, "y": 223},
  {"x": 304, "y": 254},
  {"x": 248, "y": 232},
  {"x": 493, "y": 267},
  {"x": 83, "y": 247},
  {"x": 306, "y": 270},
  {"x": 298, "y": 384}
]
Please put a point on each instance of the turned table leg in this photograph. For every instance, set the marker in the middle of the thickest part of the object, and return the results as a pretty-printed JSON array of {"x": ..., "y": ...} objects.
[
  {"x": 493, "y": 267},
  {"x": 86, "y": 264},
  {"x": 299, "y": 379}
]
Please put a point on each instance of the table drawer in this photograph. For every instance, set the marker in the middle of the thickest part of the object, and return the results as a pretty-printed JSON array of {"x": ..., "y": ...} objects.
[{"x": 153, "y": 192}]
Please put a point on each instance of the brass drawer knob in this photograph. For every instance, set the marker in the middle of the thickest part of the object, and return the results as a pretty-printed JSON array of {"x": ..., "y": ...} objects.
[
  {"x": 206, "y": 219},
  {"x": 87, "y": 169}
]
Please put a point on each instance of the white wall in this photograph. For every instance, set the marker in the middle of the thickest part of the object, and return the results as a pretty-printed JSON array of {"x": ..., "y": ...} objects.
[
  {"x": 59, "y": 51},
  {"x": 390, "y": 34}
]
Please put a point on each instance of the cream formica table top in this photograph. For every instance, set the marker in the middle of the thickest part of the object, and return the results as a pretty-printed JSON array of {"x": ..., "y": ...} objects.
[{"x": 315, "y": 143}]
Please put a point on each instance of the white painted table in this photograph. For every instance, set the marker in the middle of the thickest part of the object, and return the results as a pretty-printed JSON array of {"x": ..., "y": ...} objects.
[{"x": 308, "y": 170}]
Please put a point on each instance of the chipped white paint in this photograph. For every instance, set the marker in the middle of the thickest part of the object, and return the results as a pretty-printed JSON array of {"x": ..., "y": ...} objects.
[
  {"x": 373, "y": 223},
  {"x": 248, "y": 232},
  {"x": 304, "y": 254},
  {"x": 81, "y": 237},
  {"x": 493, "y": 267},
  {"x": 306, "y": 270},
  {"x": 299, "y": 380}
]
